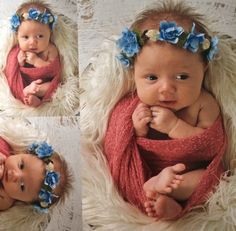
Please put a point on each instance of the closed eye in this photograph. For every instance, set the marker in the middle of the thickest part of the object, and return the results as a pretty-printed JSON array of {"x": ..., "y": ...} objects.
[{"x": 182, "y": 77}]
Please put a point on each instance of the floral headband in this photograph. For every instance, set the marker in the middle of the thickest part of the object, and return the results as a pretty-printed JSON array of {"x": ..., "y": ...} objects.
[
  {"x": 33, "y": 14},
  {"x": 131, "y": 42},
  {"x": 44, "y": 151}
]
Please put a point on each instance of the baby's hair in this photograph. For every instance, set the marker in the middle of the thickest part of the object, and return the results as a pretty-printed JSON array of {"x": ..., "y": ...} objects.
[
  {"x": 66, "y": 179},
  {"x": 170, "y": 10},
  {"x": 40, "y": 5}
]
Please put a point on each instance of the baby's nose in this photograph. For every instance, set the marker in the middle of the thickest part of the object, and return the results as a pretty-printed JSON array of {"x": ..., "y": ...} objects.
[
  {"x": 13, "y": 175},
  {"x": 32, "y": 41}
]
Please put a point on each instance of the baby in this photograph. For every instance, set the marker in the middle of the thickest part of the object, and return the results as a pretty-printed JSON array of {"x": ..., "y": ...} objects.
[
  {"x": 39, "y": 177},
  {"x": 37, "y": 56},
  {"x": 168, "y": 124}
]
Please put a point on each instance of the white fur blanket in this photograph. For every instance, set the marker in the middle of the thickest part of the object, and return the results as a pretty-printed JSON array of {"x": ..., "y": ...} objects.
[
  {"x": 65, "y": 100},
  {"x": 104, "y": 82}
]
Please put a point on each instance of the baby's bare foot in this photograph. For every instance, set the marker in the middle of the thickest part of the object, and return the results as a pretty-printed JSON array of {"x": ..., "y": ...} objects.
[
  {"x": 164, "y": 207},
  {"x": 164, "y": 183},
  {"x": 32, "y": 88},
  {"x": 32, "y": 100}
]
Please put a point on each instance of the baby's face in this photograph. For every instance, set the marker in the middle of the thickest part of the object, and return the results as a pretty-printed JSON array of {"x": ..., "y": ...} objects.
[
  {"x": 168, "y": 76},
  {"x": 23, "y": 177},
  {"x": 33, "y": 36}
]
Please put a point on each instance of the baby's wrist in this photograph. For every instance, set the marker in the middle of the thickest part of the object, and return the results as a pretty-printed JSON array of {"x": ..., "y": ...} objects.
[
  {"x": 173, "y": 127},
  {"x": 140, "y": 133}
]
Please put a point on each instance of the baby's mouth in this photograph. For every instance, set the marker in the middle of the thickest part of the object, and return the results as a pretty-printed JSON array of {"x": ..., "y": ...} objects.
[
  {"x": 167, "y": 103},
  {"x": 33, "y": 50}
]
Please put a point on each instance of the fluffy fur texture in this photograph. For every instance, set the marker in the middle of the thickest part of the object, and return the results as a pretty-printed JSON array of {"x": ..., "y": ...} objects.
[
  {"x": 65, "y": 100},
  {"x": 104, "y": 82}
]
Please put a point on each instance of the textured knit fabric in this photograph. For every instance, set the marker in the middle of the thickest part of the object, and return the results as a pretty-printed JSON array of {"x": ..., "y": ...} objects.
[
  {"x": 19, "y": 77},
  {"x": 133, "y": 160},
  {"x": 4, "y": 147}
]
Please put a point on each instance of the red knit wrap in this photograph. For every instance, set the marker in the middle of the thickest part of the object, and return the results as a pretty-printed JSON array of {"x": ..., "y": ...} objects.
[
  {"x": 133, "y": 160},
  {"x": 4, "y": 147},
  {"x": 19, "y": 77}
]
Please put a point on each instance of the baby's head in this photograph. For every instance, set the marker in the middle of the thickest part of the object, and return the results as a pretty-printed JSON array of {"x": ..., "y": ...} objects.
[
  {"x": 32, "y": 25},
  {"x": 168, "y": 49},
  {"x": 40, "y": 177}
]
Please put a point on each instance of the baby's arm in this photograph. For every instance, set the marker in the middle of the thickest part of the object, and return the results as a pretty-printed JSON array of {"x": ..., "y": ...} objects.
[
  {"x": 209, "y": 111},
  {"x": 165, "y": 121},
  {"x": 44, "y": 59},
  {"x": 5, "y": 201}
]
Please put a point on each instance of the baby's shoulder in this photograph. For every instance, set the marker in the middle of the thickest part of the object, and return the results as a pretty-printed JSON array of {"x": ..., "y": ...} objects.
[
  {"x": 209, "y": 110},
  {"x": 52, "y": 51},
  {"x": 206, "y": 98}
]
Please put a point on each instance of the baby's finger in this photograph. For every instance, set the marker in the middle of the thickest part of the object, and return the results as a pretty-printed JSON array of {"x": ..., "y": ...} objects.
[
  {"x": 146, "y": 120},
  {"x": 143, "y": 114},
  {"x": 155, "y": 108}
]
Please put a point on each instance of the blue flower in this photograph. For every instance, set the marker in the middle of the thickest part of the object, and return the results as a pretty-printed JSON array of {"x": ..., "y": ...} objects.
[
  {"x": 46, "y": 18},
  {"x": 128, "y": 43},
  {"x": 170, "y": 32},
  {"x": 43, "y": 150},
  {"x": 51, "y": 179},
  {"x": 32, "y": 147},
  {"x": 124, "y": 60},
  {"x": 214, "y": 49},
  {"x": 15, "y": 22},
  {"x": 45, "y": 196},
  {"x": 54, "y": 23},
  {"x": 33, "y": 14},
  {"x": 193, "y": 40}
]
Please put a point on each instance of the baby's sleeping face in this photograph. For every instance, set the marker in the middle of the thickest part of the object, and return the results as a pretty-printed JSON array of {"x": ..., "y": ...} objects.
[{"x": 23, "y": 177}]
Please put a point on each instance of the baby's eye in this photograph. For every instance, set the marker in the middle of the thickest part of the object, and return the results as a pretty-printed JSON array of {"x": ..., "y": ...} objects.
[
  {"x": 182, "y": 77},
  {"x": 22, "y": 187},
  {"x": 151, "y": 77},
  {"x": 25, "y": 37},
  {"x": 40, "y": 36}
]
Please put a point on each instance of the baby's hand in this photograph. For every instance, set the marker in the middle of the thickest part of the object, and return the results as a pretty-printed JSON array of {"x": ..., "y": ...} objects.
[
  {"x": 141, "y": 117},
  {"x": 2, "y": 164},
  {"x": 163, "y": 119},
  {"x": 31, "y": 58},
  {"x": 21, "y": 57}
]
